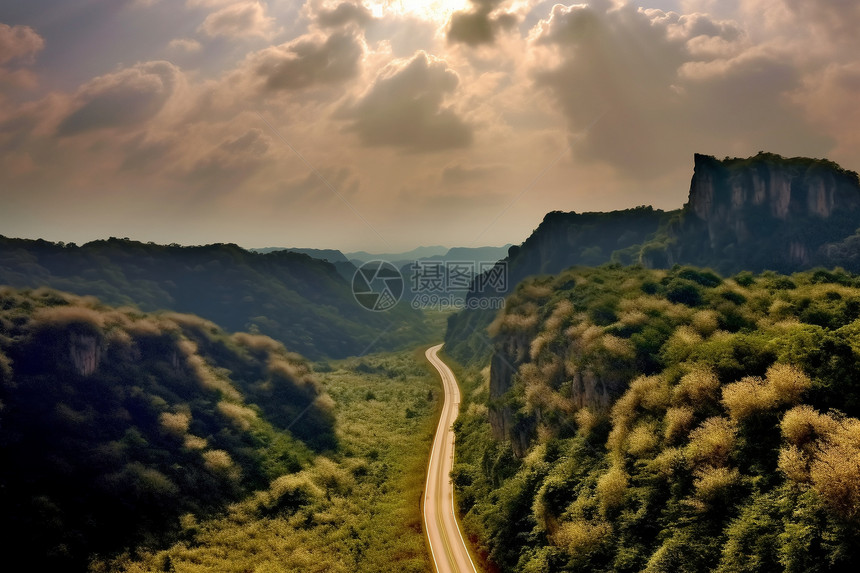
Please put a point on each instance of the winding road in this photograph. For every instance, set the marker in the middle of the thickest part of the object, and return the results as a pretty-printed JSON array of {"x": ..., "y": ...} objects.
[{"x": 447, "y": 545}]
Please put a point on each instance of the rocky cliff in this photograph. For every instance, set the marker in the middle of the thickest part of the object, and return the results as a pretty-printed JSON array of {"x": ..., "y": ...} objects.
[{"x": 763, "y": 212}]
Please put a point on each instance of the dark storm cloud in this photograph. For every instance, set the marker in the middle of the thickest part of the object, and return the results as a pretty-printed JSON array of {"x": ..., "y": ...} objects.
[
  {"x": 479, "y": 25},
  {"x": 121, "y": 99},
  {"x": 642, "y": 88},
  {"x": 309, "y": 61},
  {"x": 344, "y": 13},
  {"x": 230, "y": 163},
  {"x": 404, "y": 109}
]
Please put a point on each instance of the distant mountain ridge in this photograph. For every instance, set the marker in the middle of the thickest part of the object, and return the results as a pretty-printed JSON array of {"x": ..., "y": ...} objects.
[
  {"x": 417, "y": 253},
  {"x": 330, "y": 255},
  {"x": 301, "y": 301}
]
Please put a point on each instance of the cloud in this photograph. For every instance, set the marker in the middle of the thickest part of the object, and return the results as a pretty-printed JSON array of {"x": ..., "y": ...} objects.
[
  {"x": 344, "y": 13},
  {"x": 186, "y": 45},
  {"x": 404, "y": 108},
  {"x": 404, "y": 34},
  {"x": 641, "y": 88},
  {"x": 18, "y": 47},
  {"x": 829, "y": 97},
  {"x": 481, "y": 24},
  {"x": 458, "y": 174},
  {"x": 19, "y": 43},
  {"x": 226, "y": 166},
  {"x": 121, "y": 99},
  {"x": 308, "y": 61},
  {"x": 237, "y": 20},
  {"x": 836, "y": 18}
]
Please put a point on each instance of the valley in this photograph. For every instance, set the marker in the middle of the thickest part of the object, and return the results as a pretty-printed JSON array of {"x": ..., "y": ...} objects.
[{"x": 620, "y": 412}]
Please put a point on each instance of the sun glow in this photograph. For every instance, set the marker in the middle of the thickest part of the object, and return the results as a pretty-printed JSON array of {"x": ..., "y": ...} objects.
[{"x": 425, "y": 9}]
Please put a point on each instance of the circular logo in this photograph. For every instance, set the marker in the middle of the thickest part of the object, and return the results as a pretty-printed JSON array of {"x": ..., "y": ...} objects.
[{"x": 377, "y": 285}]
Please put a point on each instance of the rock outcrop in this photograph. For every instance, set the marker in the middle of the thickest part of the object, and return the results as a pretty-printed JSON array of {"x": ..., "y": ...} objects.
[
  {"x": 504, "y": 425},
  {"x": 784, "y": 210},
  {"x": 85, "y": 351}
]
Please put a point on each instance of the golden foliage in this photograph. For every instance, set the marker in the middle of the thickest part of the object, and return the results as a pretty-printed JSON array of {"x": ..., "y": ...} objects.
[
  {"x": 705, "y": 322},
  {"x": 534, "y": 291},
  {"x": 633, "y": 317},
  {"x": 193, "y": 442},
  {"x": 783, "y": 384},
  {"x": 677, "y": 422},
  {"x": 618, "y": 346},
  {"x": 824, "y": 451},
  {"x": 712, "y": 483},
  {"x": 642, "y": 439},
  {"x": 60, "y": 316},
  {"x": 538, "y": 343},
  {"x": 697, "y": 388},
  {"x": 711, "y": 443},
  {"x": 176, "y": 424},
  {"x": 668, "y": 462},
  {"x": 295, "y": 485},
  {"x": 586, "y": 420},
  {"x": 580, "y": 537},
  {"x": 794, "y": 464},
  {"x": 611, "y": 488},
  {"x": 218, "y": 461},
  {"x": 681, "y": 344},
  {"x": 747, "y": 397},
  {"x": 787, "y": 382},
  {"x": 240, "y": 416},
  {"x": 257, "y": 342},
  {"x": 803, "y": 424},
  {"x": 561, "y": 313}
]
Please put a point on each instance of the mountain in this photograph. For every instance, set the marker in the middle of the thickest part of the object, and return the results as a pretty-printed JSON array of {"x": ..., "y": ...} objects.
[
  {"x": 764, "y": 212},
  {"x": 398, "y": 258},
  {"x": 640, "y": 419},
  {"x": 330, "y": 255},
  {"x": 114, "y": 423},
  {"x": 444, "y": 280},
  {"x": 301, "y": 301},
  {"x": 561, "y": 240},
  {"x": 344, "y": 266}
]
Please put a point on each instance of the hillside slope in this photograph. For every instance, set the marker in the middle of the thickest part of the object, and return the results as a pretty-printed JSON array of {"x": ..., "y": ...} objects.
[
  {"x": 650, "y": 420},
  {"x": 765, "y": 212},
  {"x": 114, "y": 423},
  {"x": 298, "y": 300}
]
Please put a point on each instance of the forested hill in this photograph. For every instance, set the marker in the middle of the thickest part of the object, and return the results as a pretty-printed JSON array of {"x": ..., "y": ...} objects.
[
  {"x": 298, "y": 300},
  {"x": 765, "y": 212},
  {"x": 666, "y": 421},
  {"x": 114, "y": 423}
]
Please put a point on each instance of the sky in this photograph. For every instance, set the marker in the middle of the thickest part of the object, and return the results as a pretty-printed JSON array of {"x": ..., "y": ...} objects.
[{"x": 383, "y": 125}]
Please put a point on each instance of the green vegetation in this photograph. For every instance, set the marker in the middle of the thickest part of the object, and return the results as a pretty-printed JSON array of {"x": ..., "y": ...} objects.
[
  {"x": 645, "y": 420},
  {"x": 357, "y": 509},
  {"x": 115, "y": 423},
  {"x": 158, "y": 442},
  {"x": 300, "y": 301}
]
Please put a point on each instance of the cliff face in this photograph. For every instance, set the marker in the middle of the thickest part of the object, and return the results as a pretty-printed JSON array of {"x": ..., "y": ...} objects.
[
  {"x": 510, "y": 352},
  {"x": 85, "y": 352},
  {"x": 785, "y": 209}
]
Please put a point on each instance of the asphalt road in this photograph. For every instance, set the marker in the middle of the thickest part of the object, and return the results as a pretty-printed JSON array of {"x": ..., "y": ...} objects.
[{"x": 447, "y": 546}]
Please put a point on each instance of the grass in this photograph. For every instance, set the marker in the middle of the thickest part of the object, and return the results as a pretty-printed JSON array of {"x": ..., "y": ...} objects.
[{"x": 357, "y": 509}]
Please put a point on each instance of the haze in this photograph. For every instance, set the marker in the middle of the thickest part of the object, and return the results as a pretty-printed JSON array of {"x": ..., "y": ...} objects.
[{"x": 385, "y": 125}]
